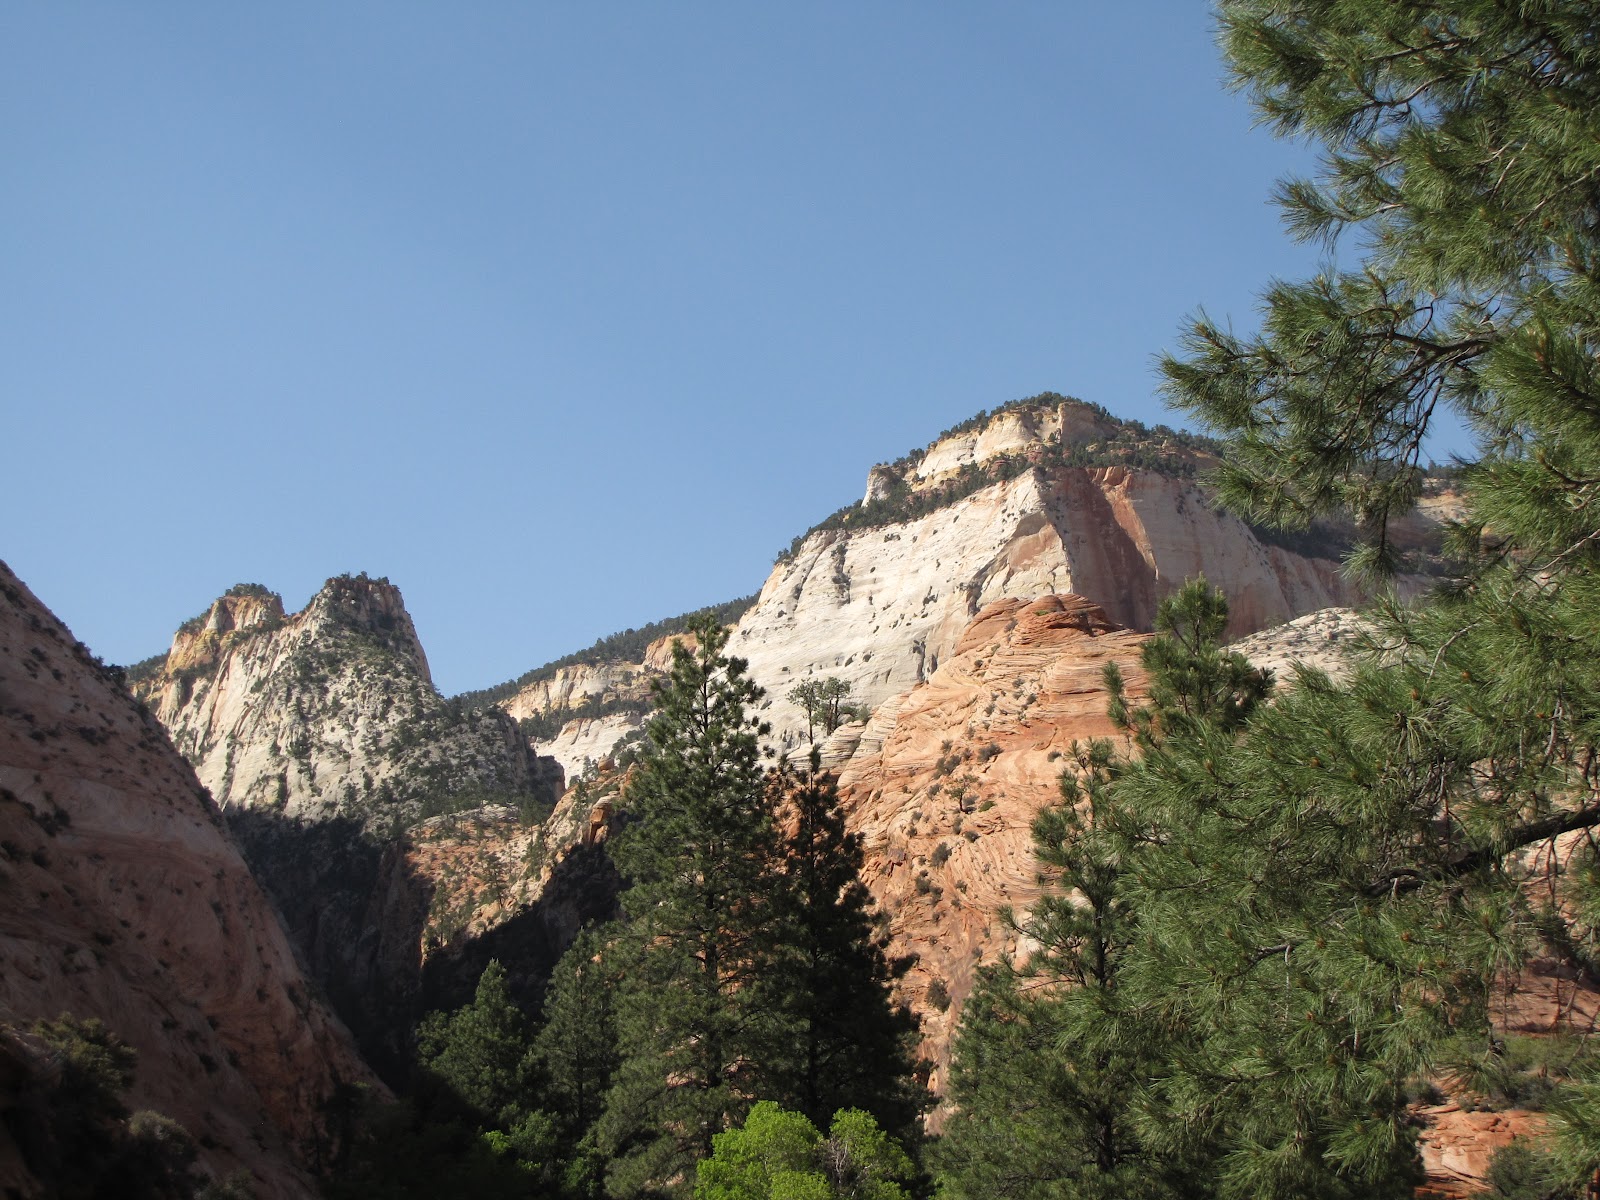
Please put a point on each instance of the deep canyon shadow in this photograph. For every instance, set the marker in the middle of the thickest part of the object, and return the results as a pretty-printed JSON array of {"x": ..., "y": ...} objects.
[{"x": 356, "y": 911}]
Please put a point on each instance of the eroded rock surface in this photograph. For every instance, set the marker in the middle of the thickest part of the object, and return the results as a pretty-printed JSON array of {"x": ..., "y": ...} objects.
[
  {"x": 323, "y": 739},
  {"x": 882, "y": 603},
  {"x": 123, "y": 898},
  {"x": 329, "y": 713},
  {"x": 945, "y": 780},
  {"x": 1326, "y": 640}
]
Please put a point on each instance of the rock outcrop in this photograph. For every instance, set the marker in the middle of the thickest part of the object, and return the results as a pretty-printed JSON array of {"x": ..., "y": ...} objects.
[
  {"x": 322, "y": 738},
  {"x": 123, "y": 898},
  {"x": 1325, "y": 640},
  {"x": 881, "y": 602},
  {"x": 330, "y": 712},
  {"x": 584, "y": 710},
  {"x": 944, "y": 782}
]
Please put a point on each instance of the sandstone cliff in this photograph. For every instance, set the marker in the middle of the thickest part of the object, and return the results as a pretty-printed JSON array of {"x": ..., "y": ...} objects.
[
  {"x": 323, "y": 739},
  {"x": 1044, "y": 496},
  {"x": 577, "y": 714},
  {"x": 124, "y": 899},
  {"x": 330, "y": 712},
  {"x": 1053, "y": 497},
  {"x": 944, "y": 781}
]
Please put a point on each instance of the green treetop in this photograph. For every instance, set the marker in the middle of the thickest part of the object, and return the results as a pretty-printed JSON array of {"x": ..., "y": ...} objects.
[
  {"x": 779, "y": 1155},
  {"x": 1329, "y": 896},
  {"x": 699, "y": 848},
  {"x": 823, "y": 701}
]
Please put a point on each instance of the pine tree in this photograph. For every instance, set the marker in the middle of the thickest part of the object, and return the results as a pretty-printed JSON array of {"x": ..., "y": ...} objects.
[
  {"x": 481, "y": 1055},
  {"x": 1052, "y": 1060},
  {"x": 840, "y": 1041},
  {"x": 1329, "y": 896},
  {"x": 700, "y": 849},
  {"x": 576, "y": 1042}
]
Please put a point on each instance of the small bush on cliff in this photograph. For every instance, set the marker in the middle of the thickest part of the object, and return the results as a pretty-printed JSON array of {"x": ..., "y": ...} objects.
[{"x": 75, "y": 1132}]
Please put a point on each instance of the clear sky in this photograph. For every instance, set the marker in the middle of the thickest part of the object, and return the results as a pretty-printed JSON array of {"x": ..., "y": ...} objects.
[{"x": 567, "y": 317}]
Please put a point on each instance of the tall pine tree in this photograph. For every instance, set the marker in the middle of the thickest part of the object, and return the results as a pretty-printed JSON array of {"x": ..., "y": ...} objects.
[
  {"x": 1328, "y": 898},
  {"x": 700, "y": 851},
  {"x": 840, "y": 1042}
]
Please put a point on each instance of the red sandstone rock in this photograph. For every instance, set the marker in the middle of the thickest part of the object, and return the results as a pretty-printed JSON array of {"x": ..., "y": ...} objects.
[{"x": 124, "y": 899}]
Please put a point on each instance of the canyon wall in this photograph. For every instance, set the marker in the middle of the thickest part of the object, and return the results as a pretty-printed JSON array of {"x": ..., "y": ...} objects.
[
  {"x": 323, "y": 740},
  {"x": 123, "y": 898},
  {"x": 883, "y": 607},
  {"x": 330, "y": 712}
]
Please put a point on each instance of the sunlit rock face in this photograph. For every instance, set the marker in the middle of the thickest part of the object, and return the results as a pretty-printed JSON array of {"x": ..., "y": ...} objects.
[
  {"x": 617, "y": 693},
  {"x": 330, "y": 712},
  {"x": 125, "y": 899},
  {"x": 323, "y": 740},
  {"x": 944, "y": 781},
  {"x": 881, "y": 604}
]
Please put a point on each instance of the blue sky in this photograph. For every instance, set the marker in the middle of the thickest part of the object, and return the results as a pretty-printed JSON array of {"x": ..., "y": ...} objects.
[{"x": 568, "y": 317}]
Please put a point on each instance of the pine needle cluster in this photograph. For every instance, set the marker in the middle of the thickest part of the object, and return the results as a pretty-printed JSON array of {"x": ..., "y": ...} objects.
[{"x": 1318, "y": 896}]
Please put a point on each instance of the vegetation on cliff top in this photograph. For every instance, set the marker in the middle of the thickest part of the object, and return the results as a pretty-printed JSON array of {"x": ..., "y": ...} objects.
[
  {"x": 1131, "y": 444},
  {"x": 627, "y": 646}
]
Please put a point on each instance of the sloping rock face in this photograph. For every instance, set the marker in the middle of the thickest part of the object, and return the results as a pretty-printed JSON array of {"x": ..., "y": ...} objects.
[
  {"x": 323, "y": 739},
  {"x": 944, "y": 782},
  {"x": 496, "y": 887},
  {"x": 1326, "y": 640},
  {"x": 329, "y": 713},
  {"x": 883, "y": 607},
  {"x": 123, "y": 898},
  {"x": 572, "y": 687},
  {"x": 593, "y": 707},
  {"x": 583, "y": 742}
]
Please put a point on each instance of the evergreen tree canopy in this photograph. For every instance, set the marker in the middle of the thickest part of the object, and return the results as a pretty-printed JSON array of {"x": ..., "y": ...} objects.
[
  {"x": 700, "y": 850},
  {"x": 481, "y": 1056},
  {"x": 823, "y": 701},
  {"x": 576, "y": 1043},
  {"x": 840, "y": 1041},
  {"x": 1327, "y": 894}
]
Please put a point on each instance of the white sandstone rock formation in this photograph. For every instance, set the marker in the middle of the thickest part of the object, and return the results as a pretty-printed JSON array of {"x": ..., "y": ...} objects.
[{"x": 329, "y": 712}]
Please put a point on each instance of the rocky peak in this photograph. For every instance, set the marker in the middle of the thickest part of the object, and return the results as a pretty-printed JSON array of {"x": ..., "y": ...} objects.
[
  {"x": 1013, "y": 430},
  {"x": 243, "y": 607},
  {"x": 882, "y": 603},
  {"x": 330, "y": 711},
  {"x": 322, "y": 737},
  {"x": 372, "y": 608},
  {"x": 1029, "y": 431}
]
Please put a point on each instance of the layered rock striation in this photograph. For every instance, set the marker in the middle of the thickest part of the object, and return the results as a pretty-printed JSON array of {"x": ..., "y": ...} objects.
[
  {"x": 944, "y": 781},
  {"x": 123, "y": 898},
  {"x": 1045, "y": 498}
]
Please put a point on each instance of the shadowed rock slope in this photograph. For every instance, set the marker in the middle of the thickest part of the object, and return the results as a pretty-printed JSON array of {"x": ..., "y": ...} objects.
[
  {"x": 334, "y": 759},
  {"x": 123, "y": 898}
]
